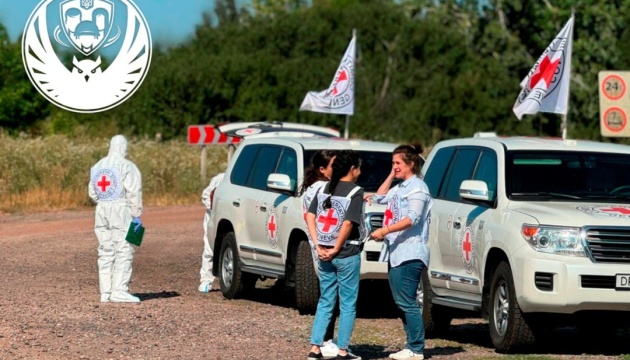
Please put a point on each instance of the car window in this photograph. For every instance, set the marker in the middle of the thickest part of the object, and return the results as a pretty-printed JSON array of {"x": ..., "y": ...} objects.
[
  {"x": 461, "y": 169},
  {"x": 243, "y": 165},
  {"x": 487, "y": 171},
  {"x": 288, "y": 165},
  {"x": 434, "y": 178},
  {"x": 375, "y": 167},
  {"x": 575, "y": 175},
  {"x": 264, "y": 164}
]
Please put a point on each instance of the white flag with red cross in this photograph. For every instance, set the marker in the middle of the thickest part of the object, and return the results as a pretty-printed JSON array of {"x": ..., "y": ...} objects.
[
  {"x": 546, "y": 87},
  {"x": 339, "y": 97}
]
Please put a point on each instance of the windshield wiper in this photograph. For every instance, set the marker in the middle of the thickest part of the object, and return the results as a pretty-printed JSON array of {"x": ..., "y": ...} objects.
[
  {"x": 608, "y": 197},
  {"x": 549, "y": 194}
]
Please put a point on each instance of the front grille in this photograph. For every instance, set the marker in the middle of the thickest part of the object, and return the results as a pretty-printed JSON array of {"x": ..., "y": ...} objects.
[
  {"x": 598, "y": 282},
  {"x": 608, "y": 244},
  {"x": 372, "y": 255},
  {"x": 543, "y": 281},
  {"x": 374, "y": 221}
]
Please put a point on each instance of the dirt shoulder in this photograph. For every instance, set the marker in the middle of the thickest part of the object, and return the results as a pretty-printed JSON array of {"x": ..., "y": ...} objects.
[{"x": 50, "y": 309}]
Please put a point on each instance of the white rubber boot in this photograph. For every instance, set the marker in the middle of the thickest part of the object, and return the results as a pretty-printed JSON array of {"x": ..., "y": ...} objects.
[
  {"x": 120, "y": 281},
  {"x": 123, "y": 297},
  {"x": 105, "y": 286}
]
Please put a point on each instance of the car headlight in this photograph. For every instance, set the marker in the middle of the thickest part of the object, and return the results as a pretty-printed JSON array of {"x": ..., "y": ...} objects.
[{"x": 554, "y": 239}]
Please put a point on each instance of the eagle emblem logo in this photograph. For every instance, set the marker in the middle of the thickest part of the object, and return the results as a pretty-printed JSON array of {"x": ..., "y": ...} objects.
[{"x": 86, "y": 55}]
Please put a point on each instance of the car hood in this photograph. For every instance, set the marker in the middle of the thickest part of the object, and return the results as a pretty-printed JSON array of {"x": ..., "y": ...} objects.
[{"x": 574, "y": 213}]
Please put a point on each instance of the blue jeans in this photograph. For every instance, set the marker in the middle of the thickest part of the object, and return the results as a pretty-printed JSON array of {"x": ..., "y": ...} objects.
[
  {"x": 403, "y": 281},
  {"x": 339, "y": 277}
]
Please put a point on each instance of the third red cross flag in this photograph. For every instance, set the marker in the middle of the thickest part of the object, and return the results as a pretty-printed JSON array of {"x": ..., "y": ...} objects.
[
  {"x": 546, "y": 87},
  {"x": 339, "y": 97}
]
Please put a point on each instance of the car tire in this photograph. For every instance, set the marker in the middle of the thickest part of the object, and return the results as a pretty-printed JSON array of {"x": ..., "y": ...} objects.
[
  {"x": 508, "y": 329},
  {"x": 230, "y": 275},
  {"x": 306, "y": 280},
  {"x": 436, "y": 318}
]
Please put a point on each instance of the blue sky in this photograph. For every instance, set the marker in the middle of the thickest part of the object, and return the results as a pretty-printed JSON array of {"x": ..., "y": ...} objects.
[{"x": 169, "y": 20}]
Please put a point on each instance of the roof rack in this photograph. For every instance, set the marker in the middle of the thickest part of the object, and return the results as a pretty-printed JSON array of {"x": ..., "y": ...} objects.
[{"x": 276, "y": 128}]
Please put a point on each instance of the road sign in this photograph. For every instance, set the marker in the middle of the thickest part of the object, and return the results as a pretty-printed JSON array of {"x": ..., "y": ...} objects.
[
  {"x": 208, "y": 134},
  {"x": 614, "y": 103}
]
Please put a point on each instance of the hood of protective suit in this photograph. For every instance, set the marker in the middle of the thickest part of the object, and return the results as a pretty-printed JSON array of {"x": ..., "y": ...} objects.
[{"x": 118, "y": 146}]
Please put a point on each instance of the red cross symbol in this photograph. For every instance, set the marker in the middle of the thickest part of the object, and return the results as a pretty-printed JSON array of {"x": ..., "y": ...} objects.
[
  {"x": 328, "y": 220},
  {"x": 271, "y": 226},
  {"x": 104, "y": 183},
  {"x": 545, "y": 71},
  {"x": 467, "y": 246},
  {"x": 623, "y": 210},
  {"x": 389, "y": 216}
]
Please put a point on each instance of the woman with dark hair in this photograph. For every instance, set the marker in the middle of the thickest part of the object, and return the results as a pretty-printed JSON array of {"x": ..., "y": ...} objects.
[
  {"x": 316, "y": 175},
  {"x": 405, "y": 231},
  {"x": 335, "y": 221}
]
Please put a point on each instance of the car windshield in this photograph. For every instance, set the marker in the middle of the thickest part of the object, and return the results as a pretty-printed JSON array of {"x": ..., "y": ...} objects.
[
  {"x": 375, "y": 166},
  {"x": 569, "y": 176}
]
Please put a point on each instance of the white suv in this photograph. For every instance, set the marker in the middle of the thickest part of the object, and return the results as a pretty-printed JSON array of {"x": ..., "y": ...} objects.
[
  {"x": 529, "y": 233},
  {"x": 257, "y": 227}
]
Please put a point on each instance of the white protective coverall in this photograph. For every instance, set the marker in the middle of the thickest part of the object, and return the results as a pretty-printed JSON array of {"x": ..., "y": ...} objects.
[
  {"x": 116, "y": 186},
  {"x": 205, "y": 274}
]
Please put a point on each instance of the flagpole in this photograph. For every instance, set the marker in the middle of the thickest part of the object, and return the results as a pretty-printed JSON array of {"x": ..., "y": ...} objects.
[
  {"x": 565, "y": 122},
  {"x": 346, "y": 132}
]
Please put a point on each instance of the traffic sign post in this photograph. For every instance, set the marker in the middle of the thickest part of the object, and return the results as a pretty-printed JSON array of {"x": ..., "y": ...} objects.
[{"x": 614, "y": 103}]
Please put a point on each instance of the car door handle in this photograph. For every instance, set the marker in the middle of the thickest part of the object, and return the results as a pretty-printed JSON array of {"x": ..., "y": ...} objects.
[
  {"x": 457, "y": 225},
  {"x": 263, "y": 207},
  {"x": 236, "y": 203}
]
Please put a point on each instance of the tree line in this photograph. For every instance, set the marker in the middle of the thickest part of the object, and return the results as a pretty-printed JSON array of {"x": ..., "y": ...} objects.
[{"x": 426, "y": 70}]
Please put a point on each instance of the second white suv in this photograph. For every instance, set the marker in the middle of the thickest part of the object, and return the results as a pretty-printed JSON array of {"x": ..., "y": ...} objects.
[
  {"x": 529, "y": 233},
  {"x": 257, "y": 227}
]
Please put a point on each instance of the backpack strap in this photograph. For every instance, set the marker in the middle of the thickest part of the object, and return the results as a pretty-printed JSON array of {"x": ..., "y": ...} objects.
[{"x": 352, "y": 192}]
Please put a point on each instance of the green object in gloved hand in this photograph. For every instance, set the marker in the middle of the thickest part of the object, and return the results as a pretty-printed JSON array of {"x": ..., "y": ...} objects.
[{"x": 135, "y": 233}]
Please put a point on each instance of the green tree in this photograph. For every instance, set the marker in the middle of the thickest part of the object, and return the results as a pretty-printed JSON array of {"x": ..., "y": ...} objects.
[{"x": 21, "y": 105}]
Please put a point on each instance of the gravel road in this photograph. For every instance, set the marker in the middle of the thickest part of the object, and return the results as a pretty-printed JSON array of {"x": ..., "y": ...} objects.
[{"x": 50, "y": 309}]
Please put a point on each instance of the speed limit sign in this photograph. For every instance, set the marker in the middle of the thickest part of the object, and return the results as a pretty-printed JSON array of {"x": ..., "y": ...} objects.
[{"x": 614, "y": 103}]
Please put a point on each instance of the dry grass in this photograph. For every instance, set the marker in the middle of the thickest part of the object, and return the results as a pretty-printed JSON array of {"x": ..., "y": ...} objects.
[{"x": 52, "y": 173}]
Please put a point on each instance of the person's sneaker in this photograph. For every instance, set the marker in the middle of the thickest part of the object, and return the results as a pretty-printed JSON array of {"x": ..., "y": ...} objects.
[
  {"x": 406, "y": 354},
  {"x": 315, "y": 356},
  {"x": 348, "y": 356},
  {"x": 105, "y": 297},
  {"x": 205, "y": 287},
  {"x": 123, "y": 297},
  {"x": 329, "y": 349}
]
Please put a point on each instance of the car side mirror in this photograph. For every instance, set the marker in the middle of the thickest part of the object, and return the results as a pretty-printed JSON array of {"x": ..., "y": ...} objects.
[
  {"x": 474, "y": 190},
  {"x": 281, "y": 182}
]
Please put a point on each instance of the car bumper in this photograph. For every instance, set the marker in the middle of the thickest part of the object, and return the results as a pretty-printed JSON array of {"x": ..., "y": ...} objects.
[
  {"x": 564, "y": 284},
  {"x": 371, "y": 268}
]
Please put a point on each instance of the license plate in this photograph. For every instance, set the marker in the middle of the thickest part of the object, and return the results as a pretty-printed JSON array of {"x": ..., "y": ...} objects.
[{"x": 622, "y": 282}]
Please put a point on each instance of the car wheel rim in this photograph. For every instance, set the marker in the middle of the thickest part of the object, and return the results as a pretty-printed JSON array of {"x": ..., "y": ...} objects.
[
  {"x": 228, "y": 267},
  {"x": 501, "y": 308}
]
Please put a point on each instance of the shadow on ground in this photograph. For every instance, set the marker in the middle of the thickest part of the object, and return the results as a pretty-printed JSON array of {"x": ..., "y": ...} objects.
[
  {"x": 160, "y": 295},
  {"x": 371, "y": 294},
  {"x": 560, "y": 341}
]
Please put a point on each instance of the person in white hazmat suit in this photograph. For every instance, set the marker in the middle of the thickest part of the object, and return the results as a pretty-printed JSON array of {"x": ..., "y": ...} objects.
[
  {"x": 116, "y": 187},
  {"x": 205, "y": 273}
]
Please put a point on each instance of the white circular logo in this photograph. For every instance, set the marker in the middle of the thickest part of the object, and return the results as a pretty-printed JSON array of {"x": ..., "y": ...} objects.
[{"x": 86, "y": 55}]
